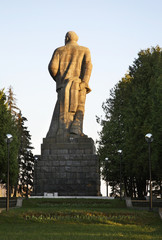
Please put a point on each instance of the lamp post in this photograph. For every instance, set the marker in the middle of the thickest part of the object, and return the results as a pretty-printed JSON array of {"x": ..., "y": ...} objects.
[
  {"x": 107, "y": 160},
  {"x": 8, "y": 140},
  {"x": 28, "y": 151},
  {"x": 120, "y": 154},
  {"x": 149, "y": 140},
  {"x": 35, "y": 174}
]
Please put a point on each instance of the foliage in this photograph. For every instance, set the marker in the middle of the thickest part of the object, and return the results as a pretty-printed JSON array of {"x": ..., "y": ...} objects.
[
  {"x": 26, "y": 172},
  {"x": 12, "y": 121},
  {"x": 133, "y": 110},
  {"x": 11, "y": 102},
  {"x": 25, "y": 157},
  {"x": 7, "y": 125}
]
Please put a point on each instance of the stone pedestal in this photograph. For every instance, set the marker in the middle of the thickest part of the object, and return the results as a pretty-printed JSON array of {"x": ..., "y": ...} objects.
[{"x": 68, "y": 168}]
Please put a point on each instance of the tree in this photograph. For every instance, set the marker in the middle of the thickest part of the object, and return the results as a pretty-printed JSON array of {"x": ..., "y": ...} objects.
[
  {"x": 7, "y": 125},
  {"x": 12, "y": 121},
  {"x": 134, "y": 109},
  {"x": 25, "y": 157},
  {"x": 11, "y": 102},
  {"x": 26, "y": 173}
]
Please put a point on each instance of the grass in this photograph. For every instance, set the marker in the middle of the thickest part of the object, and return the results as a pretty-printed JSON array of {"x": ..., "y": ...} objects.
[{"x": 48, "y": 219}]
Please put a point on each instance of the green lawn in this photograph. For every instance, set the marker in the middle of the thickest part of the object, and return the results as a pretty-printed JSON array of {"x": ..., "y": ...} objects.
[{"x": 45, "y": 219}]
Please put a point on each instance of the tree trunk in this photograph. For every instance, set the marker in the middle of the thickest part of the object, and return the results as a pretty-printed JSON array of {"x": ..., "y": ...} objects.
[{"x": 141, "y": 188}]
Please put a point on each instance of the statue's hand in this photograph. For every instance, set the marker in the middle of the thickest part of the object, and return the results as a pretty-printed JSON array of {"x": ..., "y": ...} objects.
[{"x": 82, "y": 85}]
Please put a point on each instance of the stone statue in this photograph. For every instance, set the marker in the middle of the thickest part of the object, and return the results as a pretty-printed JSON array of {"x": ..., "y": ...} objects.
[{"x": 71, "y": 68}]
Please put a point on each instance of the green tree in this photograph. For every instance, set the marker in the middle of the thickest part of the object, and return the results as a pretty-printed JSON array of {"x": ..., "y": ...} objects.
[
  {"x": 11, "y": 102},
  {"x": 134, "y": 109},
  {"x": 25, "y": 157},
  {"x": 25, "y": 176},
  {"x": 12, "y": 121},
  {"x": 7, "y": 125},
  {"x": 26, "y": 173}
]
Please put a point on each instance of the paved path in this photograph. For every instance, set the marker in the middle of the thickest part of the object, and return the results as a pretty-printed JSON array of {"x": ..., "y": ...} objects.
[{"x": 79, "y": 197}]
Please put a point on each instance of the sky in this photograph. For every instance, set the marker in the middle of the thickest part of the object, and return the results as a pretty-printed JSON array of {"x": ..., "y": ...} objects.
[{"x": 114, "y": 31}]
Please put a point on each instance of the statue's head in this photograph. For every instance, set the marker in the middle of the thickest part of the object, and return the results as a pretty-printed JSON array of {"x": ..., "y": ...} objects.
[{"x": 71, "y": 36}]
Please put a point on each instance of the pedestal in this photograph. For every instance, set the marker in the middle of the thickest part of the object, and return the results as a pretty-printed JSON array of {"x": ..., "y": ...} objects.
[{"x": 68, "y": 168}]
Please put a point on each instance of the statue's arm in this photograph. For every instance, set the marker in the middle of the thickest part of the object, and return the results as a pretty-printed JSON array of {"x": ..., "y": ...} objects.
[
  {"x": 86, "y": 70},
  {"x": 54, "y": 65}
]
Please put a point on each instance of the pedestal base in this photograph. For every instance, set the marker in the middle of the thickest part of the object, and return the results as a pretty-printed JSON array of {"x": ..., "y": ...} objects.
[{"x": 68, "y": 168}]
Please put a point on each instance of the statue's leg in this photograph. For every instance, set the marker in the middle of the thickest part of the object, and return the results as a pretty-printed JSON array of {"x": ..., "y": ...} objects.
[
  {"x": 77, "y": 124},
  {"x": 74, "y": 97},
  {"x": 61, "y": 119},
  {"x": 65, "y": 118}
]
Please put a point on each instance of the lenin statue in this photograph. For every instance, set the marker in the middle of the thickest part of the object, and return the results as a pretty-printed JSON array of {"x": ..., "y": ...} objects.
[{"x": 71, "y": 68}]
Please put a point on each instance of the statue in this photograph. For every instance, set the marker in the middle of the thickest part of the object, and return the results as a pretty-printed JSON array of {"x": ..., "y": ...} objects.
[{"x": 71, "y": 68}]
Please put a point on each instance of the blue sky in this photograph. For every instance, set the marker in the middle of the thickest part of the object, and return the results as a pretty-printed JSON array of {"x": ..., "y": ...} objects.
[{"x": 114, "y": 31}]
